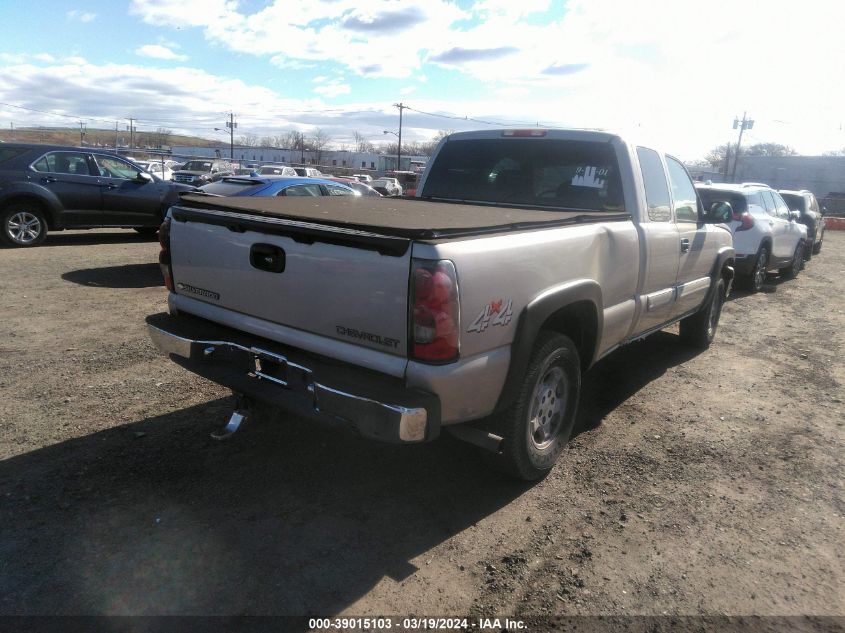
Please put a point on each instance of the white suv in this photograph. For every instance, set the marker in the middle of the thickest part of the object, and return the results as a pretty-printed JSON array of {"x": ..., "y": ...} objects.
[{"x": 767, "y": 235}]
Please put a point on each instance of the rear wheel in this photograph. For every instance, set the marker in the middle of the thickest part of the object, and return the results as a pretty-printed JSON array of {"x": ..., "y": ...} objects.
[
  {"x": 23, "y": 224},
  {"x": 817, "y": 247},
  {"x": 791, "y": 271},
  {"x": 537, "y": 426},
  {"x": 699, "y": 329},
  {"x": 754, "y": 281}
]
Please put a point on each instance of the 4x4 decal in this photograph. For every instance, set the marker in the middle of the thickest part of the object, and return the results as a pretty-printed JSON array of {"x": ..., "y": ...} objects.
[{"x": 494, "y": 313}]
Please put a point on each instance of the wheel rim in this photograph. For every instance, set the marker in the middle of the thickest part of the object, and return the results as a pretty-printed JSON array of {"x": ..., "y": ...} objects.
[
  {"x": 713, "y": 317},
  {"x": 23, "y": 227},
  {"x": 796, "y": 261},
  {"x": 760, "y": 271},
  {"x": 547, "y": 407}
]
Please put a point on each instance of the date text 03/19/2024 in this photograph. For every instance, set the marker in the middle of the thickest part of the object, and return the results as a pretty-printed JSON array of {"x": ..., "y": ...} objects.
[{"x": 416, "y": 624}]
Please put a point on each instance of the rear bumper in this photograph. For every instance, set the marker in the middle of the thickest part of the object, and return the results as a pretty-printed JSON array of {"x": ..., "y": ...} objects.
[{"x": 375, "y": 405}]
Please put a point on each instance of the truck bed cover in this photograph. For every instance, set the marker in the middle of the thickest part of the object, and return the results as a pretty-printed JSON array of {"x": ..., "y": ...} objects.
[{"x": 410, "y": 218}]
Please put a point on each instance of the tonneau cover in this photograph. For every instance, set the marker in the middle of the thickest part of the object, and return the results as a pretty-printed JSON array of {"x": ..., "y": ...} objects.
[{"x": 405, "y": 217}]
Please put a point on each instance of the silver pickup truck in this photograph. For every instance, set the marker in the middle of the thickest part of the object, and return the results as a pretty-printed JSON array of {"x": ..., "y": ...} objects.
[{"x": 526, "y": 256}]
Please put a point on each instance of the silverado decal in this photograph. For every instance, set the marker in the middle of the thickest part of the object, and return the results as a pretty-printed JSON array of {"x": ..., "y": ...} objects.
[
  {"x": 494, "y": 313},
  {"x": 372, "y": 338},
  {"x": 202, "y": 292}
]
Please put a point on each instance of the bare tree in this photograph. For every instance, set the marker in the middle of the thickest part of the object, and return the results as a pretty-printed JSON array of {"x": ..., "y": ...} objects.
[
  {"x": 267, "y": 141},
  {"x": 362, "y": 145},
  {"x": 248, "y": 140},
  {"x": 318, "y": 144},
  {"x": 162, "y": 136}
]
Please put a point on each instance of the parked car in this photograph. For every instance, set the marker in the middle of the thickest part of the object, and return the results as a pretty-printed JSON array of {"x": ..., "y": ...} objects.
[
  {"x": 811, "y": 216},
  {"x": 767, "y": 235},
  {"x": 361, "y": 187},
  {"x": 154, "y": 167},
  {"x": 275, "y": 170},
  {"x": 365, "y": 178},
  {"x": 527, "y": 256},
  {"x": 387, "y": 186},
  {"x": 276, "y": 186},
  {"x": 201, "y": 171},
  {"x": 50, "y": 188},
  {"x": 309, "y": 172}
]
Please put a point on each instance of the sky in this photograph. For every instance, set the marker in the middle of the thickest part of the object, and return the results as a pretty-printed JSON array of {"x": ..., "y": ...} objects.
[{"x": 674, "y": 74}]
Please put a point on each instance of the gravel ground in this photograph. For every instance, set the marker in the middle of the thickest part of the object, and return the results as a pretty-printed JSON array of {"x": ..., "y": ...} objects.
[{"x": 697, "y": 483}]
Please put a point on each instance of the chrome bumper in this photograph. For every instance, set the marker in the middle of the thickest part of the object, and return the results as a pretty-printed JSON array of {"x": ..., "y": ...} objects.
[{"x": 273, "y": 377}]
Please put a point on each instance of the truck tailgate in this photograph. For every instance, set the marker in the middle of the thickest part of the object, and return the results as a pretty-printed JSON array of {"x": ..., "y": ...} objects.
[{"x": 347, "y": 285}]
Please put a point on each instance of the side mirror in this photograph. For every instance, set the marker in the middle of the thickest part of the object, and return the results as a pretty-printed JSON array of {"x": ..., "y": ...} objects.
[
  {"x": 143, "y": 177},
  {"x": 720, "y": 213},
  {"x": 824, "y": 210},
  {"x": 794, "y": 215}
]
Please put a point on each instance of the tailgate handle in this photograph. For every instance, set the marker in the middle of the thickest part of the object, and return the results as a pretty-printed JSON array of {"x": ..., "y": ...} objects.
[{"x": 267, "y": 257}]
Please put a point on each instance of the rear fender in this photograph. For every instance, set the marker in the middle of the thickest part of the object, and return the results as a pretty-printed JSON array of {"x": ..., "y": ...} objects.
[
  {"x": 578, "y": 303},
  {"x": 37, "y": 194}
]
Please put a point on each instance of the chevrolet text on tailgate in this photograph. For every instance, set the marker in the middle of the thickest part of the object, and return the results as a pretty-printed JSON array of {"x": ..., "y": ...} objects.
[{"x": 526, "y": 256}]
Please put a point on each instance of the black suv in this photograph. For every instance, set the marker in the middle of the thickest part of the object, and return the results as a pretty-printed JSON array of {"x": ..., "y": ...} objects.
[
  {"x": 811, "y": 216},
  {"x": 48, "y": 187}
]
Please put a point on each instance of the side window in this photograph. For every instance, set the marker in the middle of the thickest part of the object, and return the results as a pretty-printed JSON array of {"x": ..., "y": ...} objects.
[
  {"x": 656, "y": 188},
  {"x": 769, "y": 203},
  {"x": 111, "y": 167},
  {"x": 754, "y": 199},
  {"x": 334, "y": 190},
  {"x": 781, "y": 207},
  {"x": 75, "y": 163},
  {"x": 683, "y": 192},
  {"x": 301, "y": 190}
]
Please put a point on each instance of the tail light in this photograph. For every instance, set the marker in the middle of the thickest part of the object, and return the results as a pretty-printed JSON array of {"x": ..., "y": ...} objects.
[
  {"x": 435, "y": 311},
  {"x": 746, "y": 220},
  {"x": 164, "y": 255}
]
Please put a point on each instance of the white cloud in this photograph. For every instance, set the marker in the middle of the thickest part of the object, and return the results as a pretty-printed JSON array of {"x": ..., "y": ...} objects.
[
  {"x": 157, "y": 51},
  {"x": 408, "y": 90},
  {"x": 333, "y": 89},
  {"x": 81, "y": 16}
]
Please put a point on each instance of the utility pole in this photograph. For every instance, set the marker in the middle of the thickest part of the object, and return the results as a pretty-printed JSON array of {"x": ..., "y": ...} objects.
[
  {"x": 231, "y": 125},
  {"x": 401, "y": 107},
  {"x": 131, "y": 129},
  {"x": 82, "y": 128},
  {"x": 116, "y": 125},
  {"x": 11, "y": 131},
  {"x": 745, "y": 124}
]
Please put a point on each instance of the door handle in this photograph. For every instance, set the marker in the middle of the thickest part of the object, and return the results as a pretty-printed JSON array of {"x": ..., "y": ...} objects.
[
  {"x": 684, "y": 245},
  {"x": 110, "y": 186},
  {"x": 50, "y": 179}
]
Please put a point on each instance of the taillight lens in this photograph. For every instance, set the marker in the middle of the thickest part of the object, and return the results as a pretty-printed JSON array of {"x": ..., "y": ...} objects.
[
  {"x": 746, "y": 220},
  {"x": 435, "y": 311},
  {"x": 164, "y": 255}
]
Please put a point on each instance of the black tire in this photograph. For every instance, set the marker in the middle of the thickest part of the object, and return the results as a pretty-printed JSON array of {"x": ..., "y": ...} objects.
[
  {"x": 537, "y": 426},
  {"x": 698, "y": 330},
  {"x": 146, "y": 231},
  {"x": 22, "y": 224},
  {"x": 817, "y": 247},
  {"x": 791, "y": 271},
  {"x": 755, "y": 279}
]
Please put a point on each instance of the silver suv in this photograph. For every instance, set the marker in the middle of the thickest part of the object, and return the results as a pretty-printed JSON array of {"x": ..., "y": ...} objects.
[{"x": 767, "y": 235}]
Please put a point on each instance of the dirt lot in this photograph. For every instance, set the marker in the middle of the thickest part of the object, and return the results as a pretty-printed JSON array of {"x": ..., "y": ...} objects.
[{"x": 698, "y": 484}]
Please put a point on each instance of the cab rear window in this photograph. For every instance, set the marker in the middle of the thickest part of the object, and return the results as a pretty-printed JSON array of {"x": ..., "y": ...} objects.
[{"x": 524, "y": 171}]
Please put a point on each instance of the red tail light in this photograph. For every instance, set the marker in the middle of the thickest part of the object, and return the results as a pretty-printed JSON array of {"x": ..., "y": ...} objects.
[
  {"x": 435, "y": 311},
  {"x": 164, "y": 255},
  {"x": 746, "y": 219}
]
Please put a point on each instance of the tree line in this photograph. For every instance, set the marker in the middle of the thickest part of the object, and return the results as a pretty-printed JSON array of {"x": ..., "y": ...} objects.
[{"x": 319, "y": 141}]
